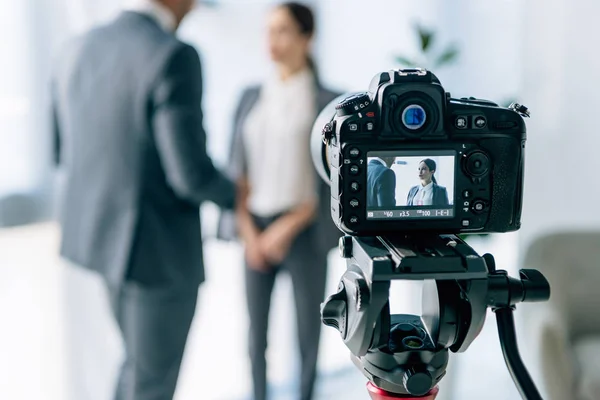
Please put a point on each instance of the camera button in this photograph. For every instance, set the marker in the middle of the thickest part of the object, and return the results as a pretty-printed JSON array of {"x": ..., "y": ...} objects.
[
  {"x": 354, "y": 152},
  {"x": 369, "y": 126},
  {"x": 479, "y": 122},
  {"x": 353, "y": 127},
  {"x": 353, "y": 219},
  {"x": 478, "y": 206},
  {"x": 461, "y": 122},
  {"x": 355, "y": 187},
  {"x": 477, "y": 164},
  {"x": 354, "y": 203},
  {"x": 466, "y": 223},
  {"x": 354, "y": 169}
]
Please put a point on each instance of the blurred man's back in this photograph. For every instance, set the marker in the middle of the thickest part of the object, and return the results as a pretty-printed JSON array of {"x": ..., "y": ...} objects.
[{"x": 129, "y": 132}]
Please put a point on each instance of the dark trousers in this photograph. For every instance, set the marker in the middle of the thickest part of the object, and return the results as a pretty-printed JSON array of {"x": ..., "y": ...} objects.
[
  {"x": 154, "y": 324},
  {"x": 307, "y": 266}
]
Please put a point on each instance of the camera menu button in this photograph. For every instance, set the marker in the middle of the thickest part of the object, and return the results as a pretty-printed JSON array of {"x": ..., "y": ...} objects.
[{"x": 354, "y": 152}]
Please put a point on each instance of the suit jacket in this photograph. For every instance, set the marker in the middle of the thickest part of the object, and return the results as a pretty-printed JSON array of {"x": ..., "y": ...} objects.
[
  {"x": 327, "y": 233},
  {"x": 440, "y": 195},
  {"x": 129, "y": 133},
  {"x": 381, "y": 185}
]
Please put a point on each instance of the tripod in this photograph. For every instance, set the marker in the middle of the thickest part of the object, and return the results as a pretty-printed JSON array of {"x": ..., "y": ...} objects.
[{"x": 405, "y": 356}]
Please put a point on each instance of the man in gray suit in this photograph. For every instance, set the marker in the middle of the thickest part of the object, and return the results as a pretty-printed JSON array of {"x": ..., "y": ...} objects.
[{"x": 129, "y": 133}]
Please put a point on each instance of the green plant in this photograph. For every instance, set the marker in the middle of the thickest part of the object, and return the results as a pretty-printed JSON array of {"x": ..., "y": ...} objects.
[{"x": 428, "y": 57}]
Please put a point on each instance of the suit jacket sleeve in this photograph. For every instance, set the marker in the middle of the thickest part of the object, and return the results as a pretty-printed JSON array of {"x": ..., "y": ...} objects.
[
  {"x": 177, "y": 121},
  {"x": 411, "y": 196},
  {"x": 386, "y": 193},
  {"x": 236, "y": 166}
]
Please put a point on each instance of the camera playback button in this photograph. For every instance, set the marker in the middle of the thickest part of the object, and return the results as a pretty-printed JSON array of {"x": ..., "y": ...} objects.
[{"x": 353, "y": 127}]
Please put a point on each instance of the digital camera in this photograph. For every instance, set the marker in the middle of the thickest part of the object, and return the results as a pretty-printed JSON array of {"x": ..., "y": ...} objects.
[{"x": 405, "y": 157}]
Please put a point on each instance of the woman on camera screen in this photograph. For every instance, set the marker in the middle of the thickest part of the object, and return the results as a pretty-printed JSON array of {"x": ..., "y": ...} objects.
[{"x": 428, "y": 193}]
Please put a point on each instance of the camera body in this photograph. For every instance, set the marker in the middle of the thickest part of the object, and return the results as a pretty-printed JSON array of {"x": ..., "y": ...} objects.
[{"x": 406, "y": 157}]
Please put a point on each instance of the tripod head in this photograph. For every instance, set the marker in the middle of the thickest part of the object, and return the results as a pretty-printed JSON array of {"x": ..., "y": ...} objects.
[{"x": 407, "y": 355}]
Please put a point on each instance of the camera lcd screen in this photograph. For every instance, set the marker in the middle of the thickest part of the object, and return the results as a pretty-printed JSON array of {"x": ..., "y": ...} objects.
[{"x": 410, "y": 184}]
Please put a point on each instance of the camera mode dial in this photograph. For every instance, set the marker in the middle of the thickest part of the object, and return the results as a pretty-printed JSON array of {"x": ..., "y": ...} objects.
[{"x": 353, "y": 104}]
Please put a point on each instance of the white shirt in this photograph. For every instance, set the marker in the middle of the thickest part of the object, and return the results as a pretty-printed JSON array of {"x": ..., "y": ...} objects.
[
  {"x": 159, "y": 12},
  {"x": 424, "y": 196},
  {"x": 277, "y": 145}
]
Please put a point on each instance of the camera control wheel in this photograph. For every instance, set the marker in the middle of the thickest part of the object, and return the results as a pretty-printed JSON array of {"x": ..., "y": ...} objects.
[
  {"x": 477, "y": 164},
  {"x": 353, "y": 104}
]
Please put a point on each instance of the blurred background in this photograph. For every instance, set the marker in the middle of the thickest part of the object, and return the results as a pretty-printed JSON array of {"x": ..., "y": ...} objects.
[{"x": 540, "y": 53}]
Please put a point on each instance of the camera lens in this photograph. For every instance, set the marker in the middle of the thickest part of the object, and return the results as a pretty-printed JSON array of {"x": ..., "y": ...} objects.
[{"x": 414, "y": 117}]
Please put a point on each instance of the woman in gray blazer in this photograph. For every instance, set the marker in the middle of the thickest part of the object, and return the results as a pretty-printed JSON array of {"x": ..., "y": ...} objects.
[
  {"x": 283, "y": 216},
  {"x": 428, "y": 193}
]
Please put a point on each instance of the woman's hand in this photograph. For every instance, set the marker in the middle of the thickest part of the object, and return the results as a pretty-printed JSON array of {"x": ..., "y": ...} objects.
[
  {"x": 276, "y": 241},
  {"x": 249, "y": 232},
  {"x": 255, "y": 257}
]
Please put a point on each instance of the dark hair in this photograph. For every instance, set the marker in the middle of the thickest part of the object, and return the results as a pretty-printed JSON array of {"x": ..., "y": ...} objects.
[
  {"x": 305, "y": 18},
  {"x": 432, "y": 167}
]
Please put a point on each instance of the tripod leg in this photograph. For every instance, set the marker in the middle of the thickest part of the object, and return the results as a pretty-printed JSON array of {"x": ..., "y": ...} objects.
[{"x": 510, "y": 350}]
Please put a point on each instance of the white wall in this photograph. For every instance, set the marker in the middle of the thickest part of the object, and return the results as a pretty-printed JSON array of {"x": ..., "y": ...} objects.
[
  {"x": 560, "y": 82},
  {"x": 561, "y": 71},
  {"x": 16, "y": 98}
]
